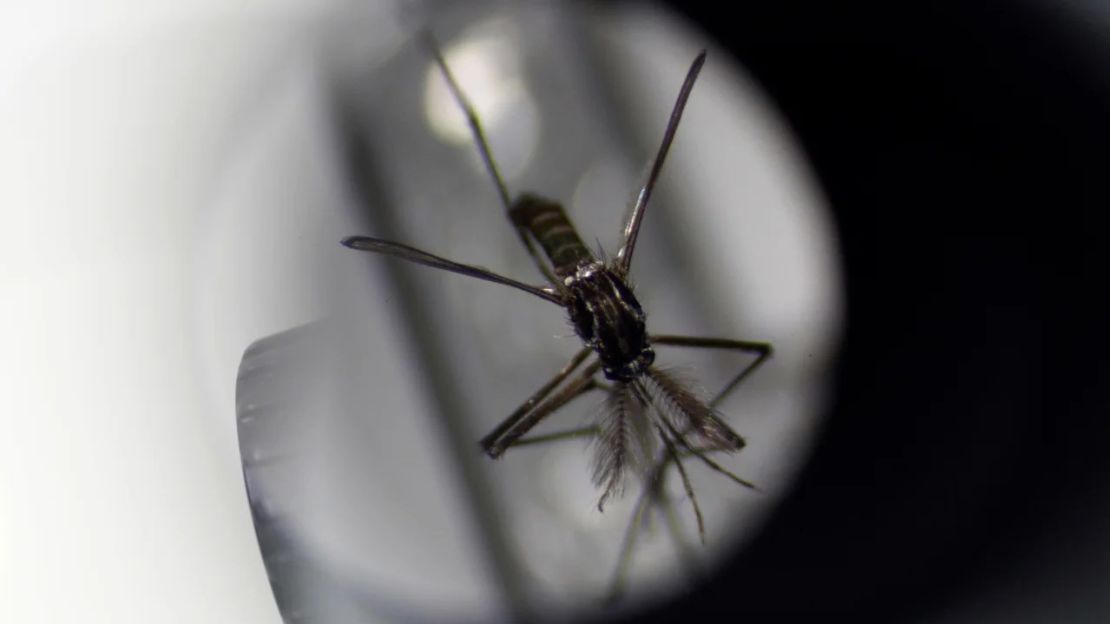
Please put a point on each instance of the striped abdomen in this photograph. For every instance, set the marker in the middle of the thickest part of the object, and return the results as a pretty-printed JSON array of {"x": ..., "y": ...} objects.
[{"x": 548, "y": 224}]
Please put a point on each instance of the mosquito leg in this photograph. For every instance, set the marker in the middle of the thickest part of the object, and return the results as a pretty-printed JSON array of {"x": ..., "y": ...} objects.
[
  {"x": 700, "y": 454},
  {"x": 670, "y": 515},
  {"x": 654, "y": 492},
  {"x": 589, "y": 431},
  {"x": 672, "y": 452},
  {"x": 522, "y": 425},
  {"x": 412, "y": 254},
  {"x": 628, "y": 543},
  {"x": 483, "y": 148},
  {"x": 763, "y": 351},
  {"x": 487, "y": 442},
  {"x": 632, "y": 228},
  {"x": 667, "y": 509},
  {"x": 581, "y": 432}
]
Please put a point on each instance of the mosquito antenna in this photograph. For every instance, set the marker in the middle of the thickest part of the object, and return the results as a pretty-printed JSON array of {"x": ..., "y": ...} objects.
[
  {"x": 632, "y": 228},
  {"x": 615, "y": 443},
  {"x": 690, "y": 411},
  {"x": 484, "y": 149}
]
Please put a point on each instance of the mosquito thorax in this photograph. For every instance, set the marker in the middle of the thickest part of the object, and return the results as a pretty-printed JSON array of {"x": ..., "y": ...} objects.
[{"x": 609, "y": 319}]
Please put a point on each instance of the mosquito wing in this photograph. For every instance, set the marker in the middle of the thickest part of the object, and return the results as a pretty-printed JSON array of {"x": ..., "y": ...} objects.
[{"x": 366, "y": 243}]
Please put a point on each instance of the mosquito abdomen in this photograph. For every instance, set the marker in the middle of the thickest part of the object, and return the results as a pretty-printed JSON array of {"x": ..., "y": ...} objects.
[{"x": 548, "y": 224}]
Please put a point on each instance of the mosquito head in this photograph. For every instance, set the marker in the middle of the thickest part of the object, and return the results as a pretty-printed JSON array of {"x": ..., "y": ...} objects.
[{"x": 630, "y": 369}]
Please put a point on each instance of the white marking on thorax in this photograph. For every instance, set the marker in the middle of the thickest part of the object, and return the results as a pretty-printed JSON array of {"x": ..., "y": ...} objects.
[{"x": 583, "y": 271}]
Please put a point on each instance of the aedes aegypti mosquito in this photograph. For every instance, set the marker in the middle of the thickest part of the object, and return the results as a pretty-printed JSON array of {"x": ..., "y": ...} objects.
[{"x": 645, "y": 404}]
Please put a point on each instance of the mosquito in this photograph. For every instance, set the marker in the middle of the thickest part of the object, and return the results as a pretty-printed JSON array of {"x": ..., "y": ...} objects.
[{"x": 646, "y": 406}]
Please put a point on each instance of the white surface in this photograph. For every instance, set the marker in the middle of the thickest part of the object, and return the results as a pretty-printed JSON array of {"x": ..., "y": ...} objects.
[{"x": 120, "y": 497}]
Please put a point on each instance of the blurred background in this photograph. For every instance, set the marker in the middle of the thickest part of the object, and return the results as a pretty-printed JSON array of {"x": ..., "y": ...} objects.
[{"x": 903, "y": 200}]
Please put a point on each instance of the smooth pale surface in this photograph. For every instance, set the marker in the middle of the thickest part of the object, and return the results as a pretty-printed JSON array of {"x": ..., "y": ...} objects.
[{"x": 121, "y": 497}]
